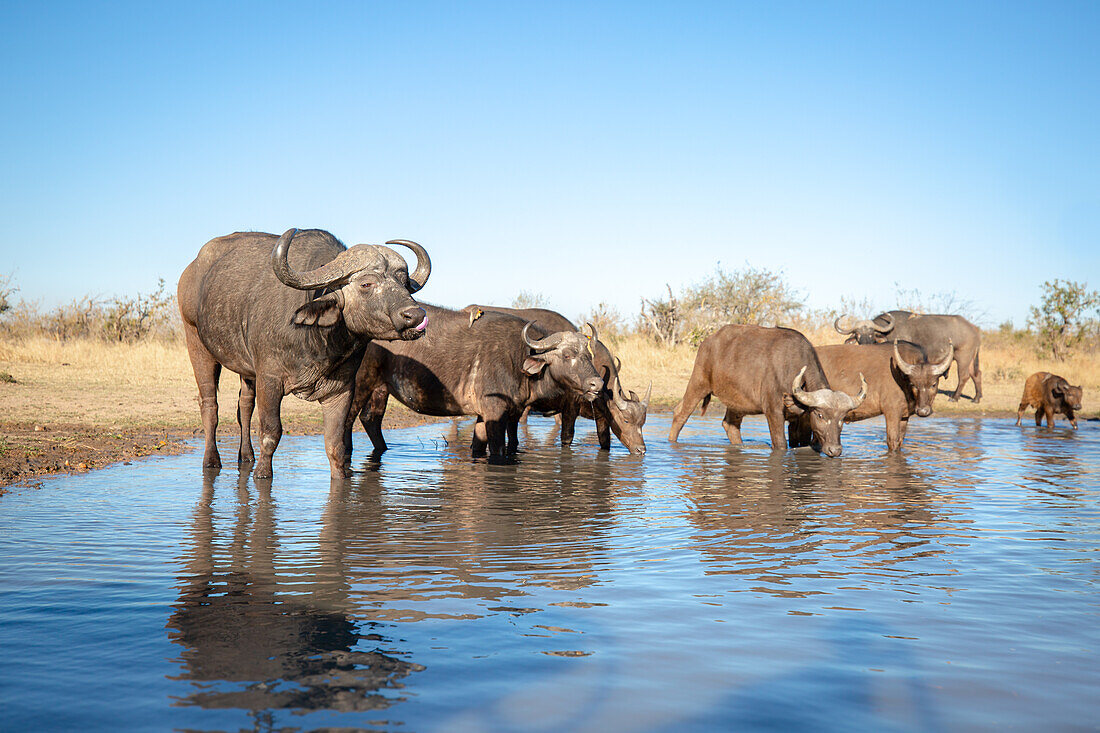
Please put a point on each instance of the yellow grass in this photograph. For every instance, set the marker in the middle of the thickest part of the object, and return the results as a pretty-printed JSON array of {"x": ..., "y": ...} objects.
[
  {"x": 1005, "y": 366},
  {"x": 150, "y": 383}
]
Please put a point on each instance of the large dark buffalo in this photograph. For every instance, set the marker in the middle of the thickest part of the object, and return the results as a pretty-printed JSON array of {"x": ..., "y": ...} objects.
[
  {"x": 292, "y": 323},
  {"x": 755, "y": 370},
  {"x": 1049, "y": 394},
  {"x": 493, "y": 368},
  {"x": 935, "y": 333},
  {"x": 900, "y": 383},
  {"x": 615, "y": 410}
]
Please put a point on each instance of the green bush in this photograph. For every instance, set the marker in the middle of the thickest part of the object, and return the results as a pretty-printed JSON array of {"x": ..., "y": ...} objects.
[{"x": 1061, "y": 320}]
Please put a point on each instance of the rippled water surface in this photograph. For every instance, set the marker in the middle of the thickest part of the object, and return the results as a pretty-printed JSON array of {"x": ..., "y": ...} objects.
[{"x": 698, "y": 588}]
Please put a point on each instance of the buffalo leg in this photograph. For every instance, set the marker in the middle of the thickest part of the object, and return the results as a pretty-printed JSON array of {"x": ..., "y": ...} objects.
[
  {"x": 903, "y": 426},
  {"x": 568, "y": 424},
  {"x": 513, "y": 435},
  {"x": 603, "y": 431},
  {"x": 696, "y": 391},
  {"x": 269, "y": 399},
  {"x": 731, "y": 423},
  {"x": 1049, "y": 412},
  {"x": 480, "y": 439},
  {"x": 1072, "y": 418},
  {"x": 245, "y": 403},
  {"x": 207, "y": 371},
  {"x": 1020, "y": 411},
  {"x": 776, "y": 425},
  {"x": 1039, "y": 416},
  {"x": 894, "y": 434},
  {"x": 976, "y": 375},
  {"x": 371, "y": 416},
  {"x": 334, "y": 411}
]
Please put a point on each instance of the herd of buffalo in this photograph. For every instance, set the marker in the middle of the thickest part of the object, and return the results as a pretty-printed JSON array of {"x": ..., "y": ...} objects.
[{"x": 303, "y": 314}]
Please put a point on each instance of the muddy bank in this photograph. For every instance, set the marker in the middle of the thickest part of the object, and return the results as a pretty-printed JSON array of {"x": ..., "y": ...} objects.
[{"x": 29, "y": 450}]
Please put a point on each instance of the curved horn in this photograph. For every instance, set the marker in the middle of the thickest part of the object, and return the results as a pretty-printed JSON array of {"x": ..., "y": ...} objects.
[
  {"x": 810, "y": 399},
  {"x": 419, "y": 278},
  {"x": 836, "y": 325},
  {"x": 595, "y": 334},
  {"x": 889, "y": 324},
  {"x": 648, "y": 392},
  {"x": 906, "y": 368},
  {"x": 344, "y": 264},
  {"x": 542, "y": 344},
  {"x": 943, "y": 366},
  {"x": 618, "y": 394}
]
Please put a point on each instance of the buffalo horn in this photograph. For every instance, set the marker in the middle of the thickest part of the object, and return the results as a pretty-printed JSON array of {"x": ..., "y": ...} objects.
[
  {"x": 542, "y": 344},
  {"x": 889, "y": 324},
  {"x": 419, "y": 277},
  {"x": 648, "y": 392},
  {"x": 944, "y": 365},
  {"x": 350, "y": 260},
  {"x": 810, "y": 399},
  {"x": 836, "y": 325},
  {"x": 906, "y": 368}
]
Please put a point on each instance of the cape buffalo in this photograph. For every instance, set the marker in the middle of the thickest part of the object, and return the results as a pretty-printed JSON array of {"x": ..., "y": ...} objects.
[
  {"x": 1049, "y": 394},
  {"x": 898, "y": 386},
  {"x": 292, "y": 323},
  {"x": 757, "y": 370},
  {"x": 933, "y": 333},
  {"x": 615, "y": 410},
  {"x": 493, "y": 368}
]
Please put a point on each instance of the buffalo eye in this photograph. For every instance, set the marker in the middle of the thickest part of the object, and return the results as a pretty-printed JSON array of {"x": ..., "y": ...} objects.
[{"x": 366, "y": 286}]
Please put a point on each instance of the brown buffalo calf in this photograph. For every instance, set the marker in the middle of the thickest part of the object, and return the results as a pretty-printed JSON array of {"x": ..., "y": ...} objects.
[{"x": 1048, "y": 393}]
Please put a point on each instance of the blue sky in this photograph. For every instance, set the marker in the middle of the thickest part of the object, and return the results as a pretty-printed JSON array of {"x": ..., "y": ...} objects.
[{"x": 584, "y": 151}]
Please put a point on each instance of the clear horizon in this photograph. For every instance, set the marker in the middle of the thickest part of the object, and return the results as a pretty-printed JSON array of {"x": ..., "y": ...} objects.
[{"x": 584, "y": 153}]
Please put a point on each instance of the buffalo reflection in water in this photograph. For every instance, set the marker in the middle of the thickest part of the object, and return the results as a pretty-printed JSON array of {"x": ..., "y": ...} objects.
[
  {"x": 785, "y": 520},
  {"x": 470, "y": 531},
  {"x": 256, "y": 638}
]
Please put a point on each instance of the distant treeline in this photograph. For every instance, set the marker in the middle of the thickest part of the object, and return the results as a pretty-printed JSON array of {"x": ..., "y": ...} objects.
[{"x": 1065, "y": 320}]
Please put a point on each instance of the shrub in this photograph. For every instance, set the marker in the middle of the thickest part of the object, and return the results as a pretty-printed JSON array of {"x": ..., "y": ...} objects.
[
  {"x": 606, "y": 318},
  {"x": 1060, "y": 320},
  {"x": 753, "y": 296},
  {"x": 7, "y": 290},
  {"x": 527, "y": 299}
]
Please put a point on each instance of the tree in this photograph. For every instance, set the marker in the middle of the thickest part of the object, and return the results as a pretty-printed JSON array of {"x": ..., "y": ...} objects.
[
  {"x": 527, "y": 299},
  {"x": 7, "y": 289},
  {"x": 1061, "y": 320}
]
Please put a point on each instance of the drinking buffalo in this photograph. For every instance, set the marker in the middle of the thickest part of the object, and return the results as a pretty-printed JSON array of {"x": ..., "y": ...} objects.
[
  {"x": 900, "y": 383},
  {"x": 933, "y": 333},
  {"x": 755, "y": 370},
  {"x": 493, "y": 368},
  {"x": 292, "y": 323},
  {"x": 1049, "y": 394},
  {"x": 615, "y": 410}
]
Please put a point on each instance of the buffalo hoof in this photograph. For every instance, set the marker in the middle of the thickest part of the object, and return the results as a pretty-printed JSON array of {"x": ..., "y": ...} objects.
[
  {"x": 953, "y": 398},
  {"x": 977, "y": 400},
  {"x": 342, "y": 472},
  {"x": 212, "y": 460},
  {"x": 243, "y": 459},
  {"x": 262, "y": 472}
]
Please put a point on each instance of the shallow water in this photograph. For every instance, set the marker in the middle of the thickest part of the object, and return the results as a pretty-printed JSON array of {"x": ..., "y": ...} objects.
[{"x": 698, "y": 588}]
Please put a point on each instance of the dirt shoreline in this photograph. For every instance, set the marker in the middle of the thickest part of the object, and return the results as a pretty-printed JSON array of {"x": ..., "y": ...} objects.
[{"x": 30, "y": 451}]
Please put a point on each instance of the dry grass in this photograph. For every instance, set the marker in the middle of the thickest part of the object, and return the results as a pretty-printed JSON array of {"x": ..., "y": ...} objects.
[
  {"x": 149, "y": 384},
  {"x": 1005, "y": 365},
  {"x": 146, "y": 384}
]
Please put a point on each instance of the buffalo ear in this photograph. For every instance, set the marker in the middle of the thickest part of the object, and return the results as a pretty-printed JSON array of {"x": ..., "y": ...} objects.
[
  {"x": 791, "y": 406},
  {"x": 534, "y": 364},
  {"x": 323, "y": 311}
]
